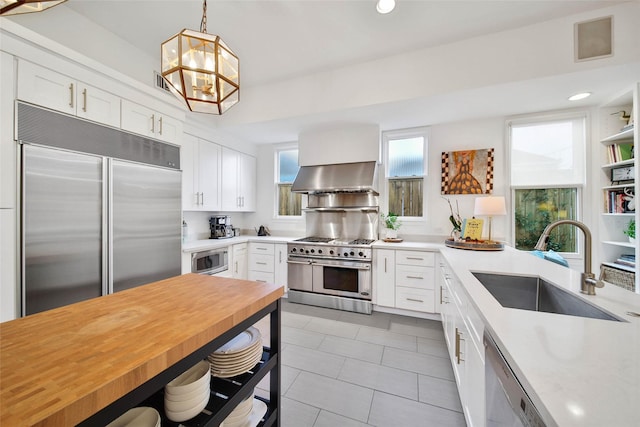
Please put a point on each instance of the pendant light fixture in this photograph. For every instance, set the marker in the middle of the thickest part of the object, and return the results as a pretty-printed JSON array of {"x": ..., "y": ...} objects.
[
  {"x": 16, "y": 7},
  {"x": 201, "y": 69}
]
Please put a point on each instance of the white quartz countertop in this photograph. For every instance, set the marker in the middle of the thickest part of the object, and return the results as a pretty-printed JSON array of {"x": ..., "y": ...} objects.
[
  {"x": 578, "y": 371},
  {"x": 206, "y": 244}
]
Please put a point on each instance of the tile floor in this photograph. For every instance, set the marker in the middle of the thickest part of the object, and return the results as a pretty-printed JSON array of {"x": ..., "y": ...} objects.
[{"x": 342, "y": 369}]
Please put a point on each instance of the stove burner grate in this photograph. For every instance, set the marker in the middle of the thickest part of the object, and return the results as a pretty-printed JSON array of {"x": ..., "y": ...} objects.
[
  {"x": 313, "y": 239},
  {"x": 361, "y": 242}
]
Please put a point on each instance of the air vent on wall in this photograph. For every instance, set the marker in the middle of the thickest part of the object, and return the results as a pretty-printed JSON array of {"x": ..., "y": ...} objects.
[
  {"x": 593, "y": 39},
  {"x": 160, "y": 82}
]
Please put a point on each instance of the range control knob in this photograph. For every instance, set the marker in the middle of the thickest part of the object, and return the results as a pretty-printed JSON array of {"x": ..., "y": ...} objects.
[
  {"x": 313, "y": 251},
  {"x": 319, "y": 251},
  {"x": 331, "y": 252},
  {"x": 293, "y": 250},
  {"x": 351, "y": 253},
  {"x": 360, "y": 253},
  {"x": 307, "y": 251}
]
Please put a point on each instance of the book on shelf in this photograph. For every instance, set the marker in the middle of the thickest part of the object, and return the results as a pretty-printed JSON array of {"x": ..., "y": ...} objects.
[
  {"x": 619, "y": 201},
  {"x": 625, "y": 262}
]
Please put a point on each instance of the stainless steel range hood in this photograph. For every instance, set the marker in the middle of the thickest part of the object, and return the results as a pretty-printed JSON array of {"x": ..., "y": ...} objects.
[{"x": 335, "y": 178}]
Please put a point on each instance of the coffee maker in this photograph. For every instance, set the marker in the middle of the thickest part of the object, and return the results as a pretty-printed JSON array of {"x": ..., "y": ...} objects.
[{"x": 221, "y": 227}]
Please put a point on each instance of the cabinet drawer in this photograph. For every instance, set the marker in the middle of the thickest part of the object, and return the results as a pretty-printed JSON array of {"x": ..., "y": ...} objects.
[
  {"x": 261, "y": 248},
  {"x": 427, "y": 259},
  {"x": 415, "y": 299},
  {"x": 415, "y": 276},
  {"x": 259, "y": 262},
  {"x": 261, "y": 276}
]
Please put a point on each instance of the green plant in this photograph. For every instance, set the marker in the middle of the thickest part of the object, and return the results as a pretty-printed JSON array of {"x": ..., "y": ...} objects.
[
  {"x": 391, "y": 221},
  {"x": 631, "y": 229}
]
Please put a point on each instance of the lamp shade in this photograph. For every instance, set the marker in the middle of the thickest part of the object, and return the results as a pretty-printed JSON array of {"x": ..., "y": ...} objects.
[
  {"x": 202, "y": 70},
  {"x": 15, "y": 7},
  {"x": 490, "y": 206}
]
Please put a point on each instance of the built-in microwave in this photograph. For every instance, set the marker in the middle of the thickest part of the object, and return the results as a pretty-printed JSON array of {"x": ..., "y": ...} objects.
[{"x": 210, "y": 262}]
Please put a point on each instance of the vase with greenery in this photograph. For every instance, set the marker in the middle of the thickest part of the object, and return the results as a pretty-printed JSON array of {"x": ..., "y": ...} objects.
[
  {"x": 392, "y": 224},
  {"x": 631, "y": 231}
]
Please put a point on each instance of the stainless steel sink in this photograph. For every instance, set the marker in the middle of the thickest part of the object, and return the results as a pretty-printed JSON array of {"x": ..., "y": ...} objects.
[{"x": 536, "y": 294}]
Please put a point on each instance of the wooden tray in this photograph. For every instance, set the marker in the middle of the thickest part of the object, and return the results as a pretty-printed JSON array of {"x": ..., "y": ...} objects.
[
  {"x": 389, "y": 240},
  {"x": 474, "y": 246}
]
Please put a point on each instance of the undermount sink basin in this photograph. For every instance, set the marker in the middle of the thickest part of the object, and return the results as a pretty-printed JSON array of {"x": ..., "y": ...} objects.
[{"x": 536, "y": 294}]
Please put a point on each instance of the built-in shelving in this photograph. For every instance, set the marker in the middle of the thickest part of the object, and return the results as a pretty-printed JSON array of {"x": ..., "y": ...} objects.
[{"x": 617, "y": 208}]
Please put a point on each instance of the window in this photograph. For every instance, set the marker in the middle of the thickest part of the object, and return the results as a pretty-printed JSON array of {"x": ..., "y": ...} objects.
[
  {"x": 547, "y": 174},
  {"x": 405, "y": 172},
  {"x": 288, "y": 203}
]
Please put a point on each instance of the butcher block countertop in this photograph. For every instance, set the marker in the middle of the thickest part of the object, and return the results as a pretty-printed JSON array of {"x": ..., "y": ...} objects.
[{"x": 61, "y": 366}]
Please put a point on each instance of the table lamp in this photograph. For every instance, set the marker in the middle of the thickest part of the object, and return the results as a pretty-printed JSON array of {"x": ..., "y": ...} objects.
[{"x": 490, "y": 206}]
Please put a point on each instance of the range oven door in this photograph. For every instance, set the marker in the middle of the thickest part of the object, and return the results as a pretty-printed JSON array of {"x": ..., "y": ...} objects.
[
  {"x": 350, "y": 279},
  {"x": 299, "y": 274}
]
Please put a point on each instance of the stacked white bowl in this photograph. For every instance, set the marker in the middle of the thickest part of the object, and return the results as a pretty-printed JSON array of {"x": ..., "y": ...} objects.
[
  {"x": 137, "y": 417},
  {"x": 188, "y": 394}
]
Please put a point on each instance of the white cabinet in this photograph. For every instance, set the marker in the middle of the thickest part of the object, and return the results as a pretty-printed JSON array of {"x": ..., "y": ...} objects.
[
  {"x": 280, "y": 270},
  {"x": 47, "y": 88},
  {"x": 239, "y": 261},
  {"x": 404, "y": 279},
  {"x": 238, "y": 181},
  {"x": 145, "y": 121},
  {"x": 463, "y": 331},
  {"x": 384, "y": 265},
  {"x": 261, "y": 262},
  {"x": 201, "y": 174}
]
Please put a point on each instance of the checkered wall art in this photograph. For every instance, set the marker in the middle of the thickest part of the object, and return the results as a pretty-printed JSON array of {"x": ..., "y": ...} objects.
[{"x": 467, "y": 172}]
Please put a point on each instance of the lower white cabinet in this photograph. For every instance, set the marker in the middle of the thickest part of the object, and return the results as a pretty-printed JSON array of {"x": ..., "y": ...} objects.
[
  {"x": 463, "y": 335},
  {"x": 261, "y": 262},
  {"x": 238, "y": 262},
  {"x": 280, "y": 270},
  {"x": 404, "y": 279}
]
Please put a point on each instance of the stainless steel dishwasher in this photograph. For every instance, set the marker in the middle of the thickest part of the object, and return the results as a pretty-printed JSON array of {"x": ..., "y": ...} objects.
[{"x": 507, "y": 404}]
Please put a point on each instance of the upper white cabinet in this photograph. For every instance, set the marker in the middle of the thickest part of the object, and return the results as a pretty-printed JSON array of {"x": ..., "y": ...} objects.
[
  {"x": 201, "y": 174},
  {"x": 42, "y": 86},
  {"x": 145, "y": 121},
  {"x": 238, "y": 181}
]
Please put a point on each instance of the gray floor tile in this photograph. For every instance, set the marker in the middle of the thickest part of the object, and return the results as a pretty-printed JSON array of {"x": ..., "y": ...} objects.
[
  {"x": 321, "y": 312},
  {"x": 417, "y": 330},
  {"x": 297, "y": 414},
  {"x": 333, "y": 327},
  {"x": 374, "y": 320},
  {"x": 352, "y": 348},
  {"x": 301, "y": 337},
  {"x": 295, "y": 320},
  {"x": 428, "y": 323},
  {"x": 329, "y": 419},
  {"x": 287, "y": 376},
  {"x": 439, "y": 392},
  {"x": 388, "y": 410},
  {"x": 311, "y": 360},
  {"x": 382, "y": 378},
  {"x": 433, "y": 347},
  {"x": 335, "y": 396},
  {"x": 417, "y": 362},
  {"x": 386, "y": 338}
]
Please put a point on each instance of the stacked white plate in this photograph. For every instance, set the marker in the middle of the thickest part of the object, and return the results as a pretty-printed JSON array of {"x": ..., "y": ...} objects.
[
  {"x": 238, "y": 355},
  {"x": 137, "y": 417},
  {"x": 188, "y": 394},
  {"x": 248, "y": 413}
]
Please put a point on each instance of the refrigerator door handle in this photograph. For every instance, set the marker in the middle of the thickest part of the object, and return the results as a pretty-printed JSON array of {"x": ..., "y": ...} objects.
[{"x": 107, "y": 230}]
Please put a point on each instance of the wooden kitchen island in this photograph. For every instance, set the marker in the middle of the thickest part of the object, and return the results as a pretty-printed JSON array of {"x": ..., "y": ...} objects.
[{"x": 87, "y": 363}]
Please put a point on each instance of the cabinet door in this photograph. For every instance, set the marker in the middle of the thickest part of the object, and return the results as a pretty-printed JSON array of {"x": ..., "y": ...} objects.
[
  {"x": 97, "y": 105},
  {"x": 280, "y": 270},
  {"x": 239, "y": 265},
  {"x": 247, "y": 183},
  {"x": 189, "y": 166},
  {"x": 138, "y": 119},
  {"x": 230, "y": 198},
  {"x": 385, "y": 287},
  {"x": 47, "y": 88},
  {"x": 208, "y": 159},
  {"x": 168, "y": 129},
  {"x": 475, "y": 388}
]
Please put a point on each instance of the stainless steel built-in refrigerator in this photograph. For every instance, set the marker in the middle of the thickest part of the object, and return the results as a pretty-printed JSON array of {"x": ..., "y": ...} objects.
[{"x": 93, "y": 224}]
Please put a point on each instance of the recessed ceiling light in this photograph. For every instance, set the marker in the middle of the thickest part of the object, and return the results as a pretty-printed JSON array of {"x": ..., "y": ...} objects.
[
  {"x": 579, "y": 96},
  {"x": 385, "y": 6}
]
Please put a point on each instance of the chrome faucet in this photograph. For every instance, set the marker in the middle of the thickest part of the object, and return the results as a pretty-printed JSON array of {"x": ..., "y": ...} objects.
[{"x": 588, "y": 282}]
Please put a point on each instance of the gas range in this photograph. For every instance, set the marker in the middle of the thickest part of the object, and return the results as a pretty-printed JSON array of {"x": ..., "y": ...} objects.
[{"x": 330, "y": 248}]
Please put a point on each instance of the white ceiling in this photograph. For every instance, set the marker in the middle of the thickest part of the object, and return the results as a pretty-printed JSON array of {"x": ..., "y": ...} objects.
[{"x": 279, "y": 40}]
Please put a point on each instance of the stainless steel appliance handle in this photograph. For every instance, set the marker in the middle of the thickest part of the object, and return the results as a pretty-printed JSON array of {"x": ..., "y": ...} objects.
[
  {"x": 308, "y": 262},
  {"x": 357, "y": 266}
]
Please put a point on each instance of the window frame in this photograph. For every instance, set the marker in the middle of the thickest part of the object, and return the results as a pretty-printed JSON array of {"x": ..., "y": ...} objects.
[
  {"x": 581, "y": 188},
  {"x": 396, "y": 134},
  {"x": 276, "y": 175}
]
